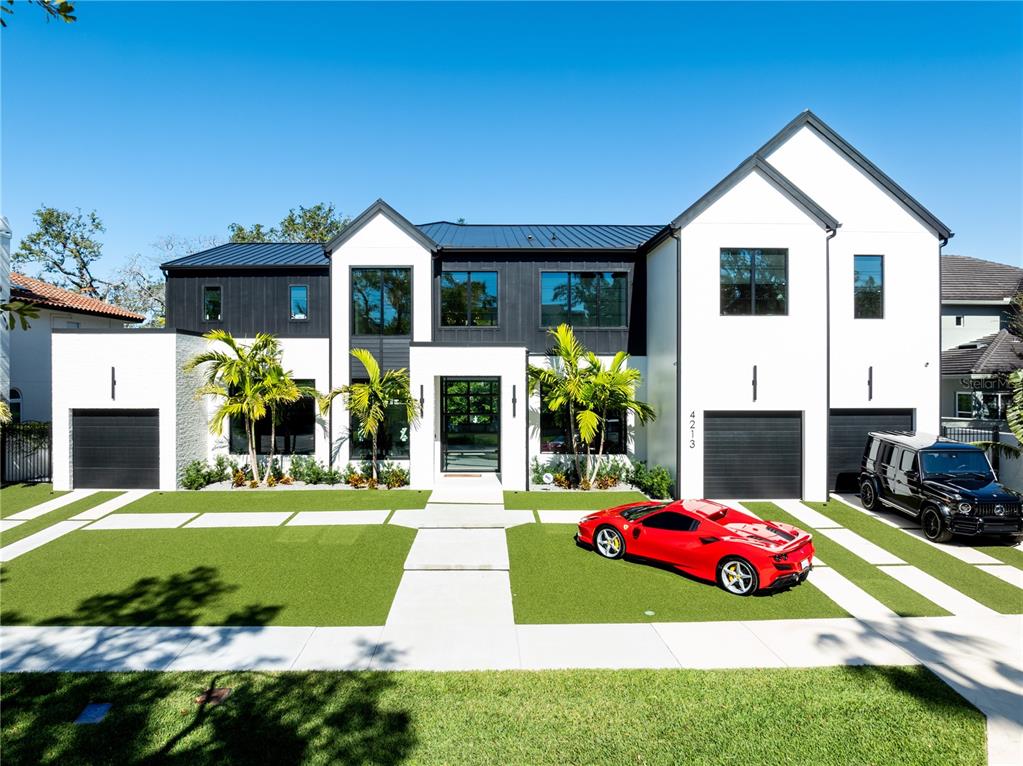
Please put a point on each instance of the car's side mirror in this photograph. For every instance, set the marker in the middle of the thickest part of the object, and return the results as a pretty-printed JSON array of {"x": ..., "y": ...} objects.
[
  {"x": 911, "y": 474},
  {"x": 708, "y": 540}
]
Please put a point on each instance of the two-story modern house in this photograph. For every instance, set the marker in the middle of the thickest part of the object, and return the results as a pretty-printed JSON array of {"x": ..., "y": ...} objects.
[{"x": 762, "y": 319}]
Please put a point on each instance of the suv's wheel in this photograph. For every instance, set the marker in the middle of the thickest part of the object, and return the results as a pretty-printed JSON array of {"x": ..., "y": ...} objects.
[
  {"x": 738, "y": 576},
  {"x": 609, "y": 543},
  {"x": 935, "y": 528},
  {"x": 868, "y": 496}
]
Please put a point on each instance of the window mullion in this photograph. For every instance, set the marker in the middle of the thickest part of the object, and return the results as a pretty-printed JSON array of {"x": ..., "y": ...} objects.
[{"x": 753, "y": 283}]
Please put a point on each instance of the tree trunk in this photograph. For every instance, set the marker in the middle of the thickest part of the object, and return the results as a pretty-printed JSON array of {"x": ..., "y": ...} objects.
[
  {"x": 600, "y": 450},
  {"x": 273, "y": 443},
  {"x": 571, "y": 433},
  {"x": 374, "y": 456},
  {"x": 250, "y": 433}
]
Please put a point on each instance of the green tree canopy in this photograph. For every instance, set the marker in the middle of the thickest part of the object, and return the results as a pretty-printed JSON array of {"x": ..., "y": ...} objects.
[{"x": 319, "y": 223}]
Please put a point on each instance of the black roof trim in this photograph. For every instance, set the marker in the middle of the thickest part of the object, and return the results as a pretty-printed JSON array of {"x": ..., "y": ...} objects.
[
  {"x": 367, "y": 215},
  {"x": 811, "y": 120},
  {"x": 756, "y": 163}
]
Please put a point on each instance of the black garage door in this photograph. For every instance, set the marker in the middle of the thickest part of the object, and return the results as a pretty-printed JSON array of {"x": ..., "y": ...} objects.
[
  {"x": 116, "y": 449},
  {"x": 847, "y": 436},
  {"x": 750, "y": 455}
]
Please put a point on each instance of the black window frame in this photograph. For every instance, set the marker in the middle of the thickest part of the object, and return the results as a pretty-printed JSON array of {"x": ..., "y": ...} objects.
[
  {"x": 618, "y": 447},
  {"x": 237, "y": 443},
  {"x": 291, "y": 316},
  {"x": 857, "y": 289},
  {"x": 411, "y": 298},
  {"x": 468, "y": 303},
  {"x": 220, "y": 294},
  {"x": 569, "y": 272},
  {"x": 363, "y": 450},
  {"x": 753, "y": 251}
]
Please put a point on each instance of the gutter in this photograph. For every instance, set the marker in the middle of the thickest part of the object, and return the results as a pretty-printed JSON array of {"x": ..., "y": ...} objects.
[{"x": 675, "y": 234}]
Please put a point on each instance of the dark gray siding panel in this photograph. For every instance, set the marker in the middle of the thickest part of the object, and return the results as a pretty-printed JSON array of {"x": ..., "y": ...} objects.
[
  {"x": 847, "y": 437},
  {"x": 747, "y": 455},
  {"x": 518, "y": 286},
  {"x": 116, "y": 449},
  {"x": 252, "y": 302},
  {"x": 391, "y": 351}
]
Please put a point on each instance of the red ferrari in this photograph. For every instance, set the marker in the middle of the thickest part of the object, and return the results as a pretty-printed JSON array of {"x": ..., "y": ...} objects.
[{"x": 742, "y": 553}]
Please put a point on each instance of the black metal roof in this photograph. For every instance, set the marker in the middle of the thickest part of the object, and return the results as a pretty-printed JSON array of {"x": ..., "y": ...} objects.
[
  {"x": 971, "y": 279},
  {"x": 462, "y": 236},
  {"x": 254, "y": 255}
]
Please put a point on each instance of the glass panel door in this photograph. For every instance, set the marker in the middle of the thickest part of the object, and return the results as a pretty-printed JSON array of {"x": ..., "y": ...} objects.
[{"x": 470, "y": 424}]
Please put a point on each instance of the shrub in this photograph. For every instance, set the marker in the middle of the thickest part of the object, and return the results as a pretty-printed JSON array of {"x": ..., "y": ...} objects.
[
  {"x": 391, "y": 475},
  {"x": 371, "y": 483},
  {"x": 655, "y": 482},
  {"x": 348, "y": 473},
  {"x": 286, "y": 480},
  {"x": 199, "y": 474},
  {"x": 238, "y": 480},
  {"x": 333, "y": 476},
  {"x": 253, "y": 484},
  {"x": 271, "y": 480},
  {"x": 561, "y": 480},
  {"x": 611, "y": 473},
  {"x": 194, "y": 476}
]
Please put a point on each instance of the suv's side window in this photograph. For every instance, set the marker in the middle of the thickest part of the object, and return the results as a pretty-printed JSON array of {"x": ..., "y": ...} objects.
[
  {"x": 886, "y": 454},
  {"x": 874, "y": 446},
  {"x": 908, "y": 460}
]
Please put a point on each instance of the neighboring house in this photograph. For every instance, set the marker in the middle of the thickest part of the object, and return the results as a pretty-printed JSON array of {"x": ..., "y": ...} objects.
[
  {"x": 30, "y": 355},
  {"x": 5, "y": 293},
  {"x": 975, "y": 298},
  {"x": 766, "y": 320},
  {"x": 974, "y": 386}
]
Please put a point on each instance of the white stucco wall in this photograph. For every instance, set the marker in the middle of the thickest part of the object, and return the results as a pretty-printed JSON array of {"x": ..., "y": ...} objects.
[
  {"x": 379, "y": 243},
  {"x": 662, "y": 324},
  {"x": 428, "y": 364},
  {"x": 903, "y": 348},
  {"x": 31, "y": 355},
  {"x": 719, "y": 352}
]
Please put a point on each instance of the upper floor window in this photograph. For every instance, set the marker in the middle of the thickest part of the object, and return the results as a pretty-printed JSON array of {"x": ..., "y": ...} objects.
[
  {"x": 868, "y": 289},
  {"x": 381, "y": 301},
  {"x": 211, "y": 303},
  {"x": 960, "y": 320},
  {"x": 468, "y": 299},
  {"x": 754, "y": 281},
  {"x": 298, "y": 298},
  {"x": 584, "y": 298},
  {"x": 556, "y": 436}
]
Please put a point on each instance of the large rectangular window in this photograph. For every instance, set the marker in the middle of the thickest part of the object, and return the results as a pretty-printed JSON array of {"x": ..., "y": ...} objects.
[
  {"x": 392, "y": 437},
  {"x": 295, "y": 433},
  {"x": 584, "y": 298},
  {"x": 555, "y": 435},
  {"x": 982, "y": 405},
  {"x": 754, "y": 282},
  {"x": 868, "y": 286},
  {"x": 468, "y": 299},
  {"x": 211, "y": 305},
  {"x": 298, "y": 298},
  {"x": 381, "y": 301}
]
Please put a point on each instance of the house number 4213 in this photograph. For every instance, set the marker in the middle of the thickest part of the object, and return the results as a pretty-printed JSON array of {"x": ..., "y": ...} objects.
[{"x": 692, "y": 430}]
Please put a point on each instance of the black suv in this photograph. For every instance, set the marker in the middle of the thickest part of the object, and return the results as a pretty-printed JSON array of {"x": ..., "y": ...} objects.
[{"x": 950, "y": 487}]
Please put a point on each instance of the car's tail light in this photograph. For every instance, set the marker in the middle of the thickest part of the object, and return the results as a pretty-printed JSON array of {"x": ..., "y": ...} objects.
[{"x": 781, "y": 557}]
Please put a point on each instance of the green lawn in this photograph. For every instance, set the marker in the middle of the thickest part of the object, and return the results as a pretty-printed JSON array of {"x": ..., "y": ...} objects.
[
  {"x": 819, "y": 716},
  {"x": 18, "y": 497},
  {"x": 553, "y": 580},
  {"x": 966, "y": 578},
  {"x": 569, "y": 501},
  {"x": 32, "y": 526},
  {"x": 339, "y": 575},
  {"x": 900, "y": 598},
  {"x": 285, "y": 500},
  {"x": 1010, "y": 554}
]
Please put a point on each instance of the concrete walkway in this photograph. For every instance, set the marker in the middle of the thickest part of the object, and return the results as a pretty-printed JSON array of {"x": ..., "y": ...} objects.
[{"x": 52, "y": 505}]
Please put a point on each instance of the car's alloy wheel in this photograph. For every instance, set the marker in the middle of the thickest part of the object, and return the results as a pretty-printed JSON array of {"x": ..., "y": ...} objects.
[
  {"x": 609, "y": 543},
  {"x": 934, "y": 526},
  {"x": 738, "y": 576},
  {"x": 867, "y": 496}
]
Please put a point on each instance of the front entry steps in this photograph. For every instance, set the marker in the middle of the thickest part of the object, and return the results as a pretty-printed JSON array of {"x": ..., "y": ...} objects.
[{"x": 482, "y": 488}]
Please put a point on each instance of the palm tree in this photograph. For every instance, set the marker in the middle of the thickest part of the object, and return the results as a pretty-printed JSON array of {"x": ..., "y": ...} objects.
[
  {"x": 611, "y": 389},
  {"x": 279, "y": 389},
  {"x": 237, "y": 377},
  {"x": 369, "y": 401},
  {"x": 562, "y": 384}
]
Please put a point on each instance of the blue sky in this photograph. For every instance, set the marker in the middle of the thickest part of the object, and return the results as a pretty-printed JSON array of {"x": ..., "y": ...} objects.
[{"x": 179, "y": 118}]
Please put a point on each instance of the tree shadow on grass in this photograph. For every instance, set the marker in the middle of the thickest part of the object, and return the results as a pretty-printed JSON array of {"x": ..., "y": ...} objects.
[{"x": 285, "y": 718}]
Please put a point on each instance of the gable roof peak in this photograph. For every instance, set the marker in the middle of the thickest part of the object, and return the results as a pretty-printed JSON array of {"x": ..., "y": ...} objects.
[{"x": 380, "y": 207}]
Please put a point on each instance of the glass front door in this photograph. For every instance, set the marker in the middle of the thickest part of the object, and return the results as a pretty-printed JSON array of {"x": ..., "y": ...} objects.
[{"x": 470, "y": 424}]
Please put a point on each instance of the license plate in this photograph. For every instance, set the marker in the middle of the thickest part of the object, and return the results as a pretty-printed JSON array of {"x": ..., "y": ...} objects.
[{"x": 804, "y": 563}]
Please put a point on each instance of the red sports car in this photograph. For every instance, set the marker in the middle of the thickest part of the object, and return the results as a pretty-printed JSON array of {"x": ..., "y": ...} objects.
[{"x": 742, "y": 553}]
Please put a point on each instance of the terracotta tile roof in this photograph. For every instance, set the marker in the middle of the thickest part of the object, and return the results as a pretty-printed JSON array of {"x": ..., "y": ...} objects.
[{"x": 45, "y": 295}]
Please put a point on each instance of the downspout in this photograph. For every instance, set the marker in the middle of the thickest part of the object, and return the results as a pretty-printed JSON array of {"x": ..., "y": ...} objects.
[
  {"x": 942, "y": 241},
  {"x": 330, "y": 362},
  {"x": 827, "y": 357},
  {"x": 678, "y": 361}
]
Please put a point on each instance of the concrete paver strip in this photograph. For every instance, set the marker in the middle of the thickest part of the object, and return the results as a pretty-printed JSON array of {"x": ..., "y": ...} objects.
[
  {"x": 333, "y": 518},
  {"x": 848, "y": 595},
  {"x": 464, "y": 507},
  {"x": 819, "y": 643},
  {"x": 547, "y": 647},
  {"x": 935, "y": 590},
  {"x": 807, "y": 515},
  {"x": 562, "y": 517},
  {"x": 954, "y": 549},
  {"x": 339, "y": 649},
  {"x": 140, "y": 521},
  {"x": 239, "y": 519},
  {"x": 452, "y": 598},
  {"x": 6, "y": 524},
  {"x": 132, "y": 648},
  {"x": 259, "y": 648},
  {"x": 111, "y": 505},
  {"x": 461, "y": 519},
  {"x": 43, "y": 536},
  {"x": 455, "y": 549},
  {"x": 707, "y": 645},
  {"x": 51, "y": 505},
  {"x": 447, "y": 647},
  {"x": 1010, "y": 574},
  {"x": 862, "y": 547}
]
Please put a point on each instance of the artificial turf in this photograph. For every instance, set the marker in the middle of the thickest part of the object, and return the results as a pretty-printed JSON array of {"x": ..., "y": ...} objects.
[
  {"x": 63, "y": 513},
  {"x": 553, "y": 580},
  {"x": 1009, "y": 554},
  {"x": 820, "y": 716},
  {"x": 569, "y": 501},
  {"x": 337, "y": 575},
  {"x": 878, "y": 582},
  {"x": 18, "y": 497},
  {"x": 284, "y": 500},
  {"x": 968, "y": 579}
]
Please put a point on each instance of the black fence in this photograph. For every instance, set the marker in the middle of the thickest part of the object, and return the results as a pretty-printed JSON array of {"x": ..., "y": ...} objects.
[
  {"x": 26, "y": 453},
  {"x": 971, "y": 435}
]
